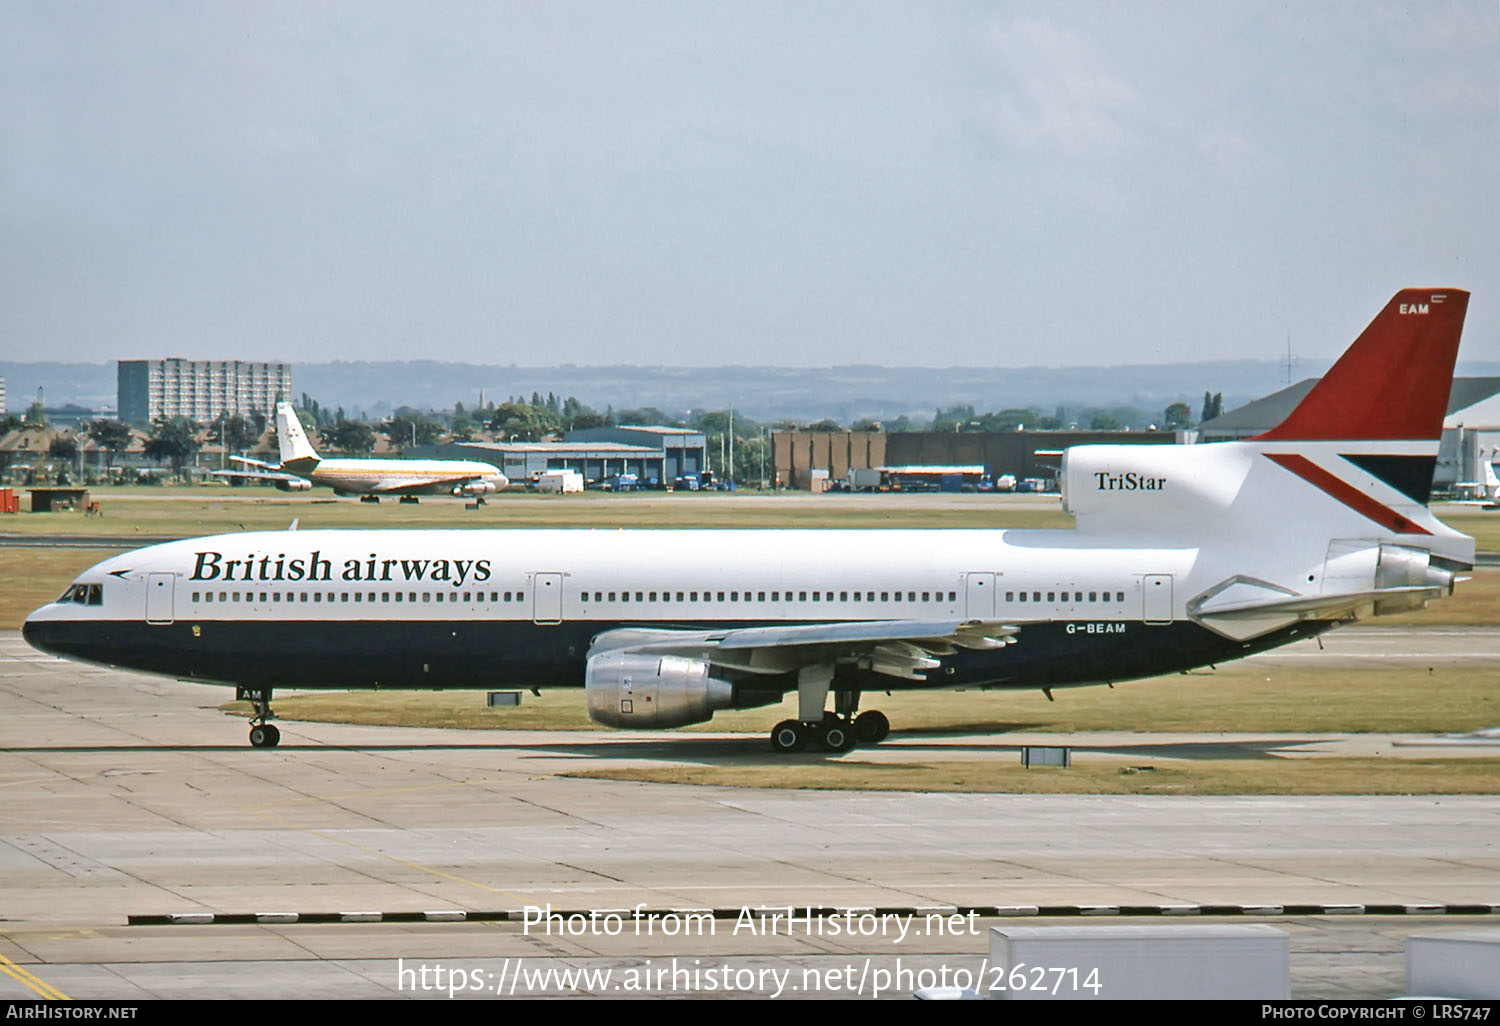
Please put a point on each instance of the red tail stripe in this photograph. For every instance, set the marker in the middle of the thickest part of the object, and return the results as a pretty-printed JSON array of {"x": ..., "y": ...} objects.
[{"x": 1346, "y": 493}]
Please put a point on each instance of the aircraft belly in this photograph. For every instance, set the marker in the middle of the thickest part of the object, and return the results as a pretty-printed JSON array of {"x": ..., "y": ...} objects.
[{"x": 520, "y": 653}]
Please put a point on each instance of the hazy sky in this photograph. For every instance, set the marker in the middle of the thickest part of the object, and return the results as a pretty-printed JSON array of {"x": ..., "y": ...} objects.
[{"x": 804, "y": 183}]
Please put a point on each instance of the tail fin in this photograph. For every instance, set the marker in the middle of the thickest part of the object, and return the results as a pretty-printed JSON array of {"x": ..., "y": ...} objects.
[
  {"x": 292, "y": 439},
  {"x": 1393, "y": 382}
]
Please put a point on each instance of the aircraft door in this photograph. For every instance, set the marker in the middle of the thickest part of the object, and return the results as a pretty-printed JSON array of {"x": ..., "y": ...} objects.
[
  {"x": 979, "y": 596},
  {"x": 546, "y": 598},
  {"x": 159, "y": 588},
  {"x": 1156, "y": 599}
]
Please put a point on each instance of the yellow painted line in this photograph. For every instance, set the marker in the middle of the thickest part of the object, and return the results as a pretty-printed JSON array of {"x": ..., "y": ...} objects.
[{"x": 40, "y": 987}]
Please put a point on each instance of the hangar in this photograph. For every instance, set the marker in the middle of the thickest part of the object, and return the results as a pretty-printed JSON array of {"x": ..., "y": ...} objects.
[
  {"x": 802, "y": 456},
  {"x": 1471, "y": 429},
  {"x": 656, "y": 456}
]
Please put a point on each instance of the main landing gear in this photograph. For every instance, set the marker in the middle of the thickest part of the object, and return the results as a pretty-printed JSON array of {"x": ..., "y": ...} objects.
[
  {"x": 263, "y": 733},
  {"x": 836, "y": 731}
]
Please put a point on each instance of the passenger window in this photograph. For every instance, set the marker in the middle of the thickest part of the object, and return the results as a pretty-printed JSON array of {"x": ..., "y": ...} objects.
[
  {"x": 638, "y": 596},
  {"x": 843, "y": 596},
  {"x": 1078, "y": 596},
  {"x": 885, "y": 596},
  {"x": 760, "y": 596},
  {"x": 775, "y": 596},
  {"x": 398, "y": 596},
  {"x": 856, "y": 596},
  {"x": 223, "y": 596},
  {"x": 439, "y": 596},
  {"x": 679, "y": 596},
  {"x": 734, "y": 596},
  {"x": 721, "y": 596},
  {"x": 801, "y": 596},
  {"x": 653, "y": 596},
  {"x": 693, "y": 595},
  {"x": 1093, "y": 596},
  {"x": 1119, "y": 596},
  {"x": 1036, "y": 596},
  {"x": 208, "y": 597},
  {"x": 815, "y": 596},
  {"x": 1023, "y": 596},
  {"x": 870, "y": 597},
  {"x": 926, "y": 596},
  {"x": 1010, "y": 596},
  {"x": 953, "y": 596},
  {"x": 1051, "y": 596}
]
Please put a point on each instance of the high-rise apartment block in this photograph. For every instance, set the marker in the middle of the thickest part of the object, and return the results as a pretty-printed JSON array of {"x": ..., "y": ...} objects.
[{"x": 200, "y": 389}]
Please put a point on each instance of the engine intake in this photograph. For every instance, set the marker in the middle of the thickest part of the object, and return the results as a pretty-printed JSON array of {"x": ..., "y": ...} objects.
[{"x": 627, "y": 689}]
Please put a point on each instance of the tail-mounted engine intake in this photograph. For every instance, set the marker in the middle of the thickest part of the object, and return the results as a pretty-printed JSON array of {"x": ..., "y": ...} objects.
[{"x": 628, "y": 689}]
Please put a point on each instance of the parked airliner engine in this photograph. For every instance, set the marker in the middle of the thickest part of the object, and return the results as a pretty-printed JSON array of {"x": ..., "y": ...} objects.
[{"x": 627, "y": 689}]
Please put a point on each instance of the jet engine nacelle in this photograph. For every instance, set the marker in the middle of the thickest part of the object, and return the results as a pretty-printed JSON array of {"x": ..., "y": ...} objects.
[
  {"x": 482, "y": 486},
  {"x": 628, "y": 689},
  {"x": 294, "y": 486}
]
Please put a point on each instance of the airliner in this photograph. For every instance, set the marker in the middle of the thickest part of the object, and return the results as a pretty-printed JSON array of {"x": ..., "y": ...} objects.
[
  {"x": 1182, "y": 556},
  {"x": 301, "y": 468}
]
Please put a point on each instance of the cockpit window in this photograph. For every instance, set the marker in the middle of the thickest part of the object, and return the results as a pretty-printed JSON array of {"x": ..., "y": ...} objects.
[{"x": 84, "y": 595}]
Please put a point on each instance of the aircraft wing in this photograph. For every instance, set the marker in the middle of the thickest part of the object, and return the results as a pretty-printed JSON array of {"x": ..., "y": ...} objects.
[
  {"x": 898, "y": 648},
  {"x": 258, "y": 475},
  {"x": 247, "y": 461}
]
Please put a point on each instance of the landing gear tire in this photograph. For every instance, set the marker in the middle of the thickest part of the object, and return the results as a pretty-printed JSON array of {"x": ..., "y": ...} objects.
[
  {"x": 265, "y": 735},
  {"x": 835, "y": 734},
  {"x": 789, "y": 736},
  {"x": 871, "y": 727}
]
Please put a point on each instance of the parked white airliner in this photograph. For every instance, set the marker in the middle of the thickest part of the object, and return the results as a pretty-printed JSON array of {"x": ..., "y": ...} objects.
[
  {"x": 1182, "y": 556},
  {"x": 301, "y": 468}
]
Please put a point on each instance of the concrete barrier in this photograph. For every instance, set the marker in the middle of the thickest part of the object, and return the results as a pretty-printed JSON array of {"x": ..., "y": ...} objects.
[
  {"x": 1235, "y": 962},
  {"x": 1461, "y": 964}
]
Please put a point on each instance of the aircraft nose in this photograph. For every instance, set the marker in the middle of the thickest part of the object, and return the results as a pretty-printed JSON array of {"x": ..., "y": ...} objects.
[{"x": 35, "y": 630}]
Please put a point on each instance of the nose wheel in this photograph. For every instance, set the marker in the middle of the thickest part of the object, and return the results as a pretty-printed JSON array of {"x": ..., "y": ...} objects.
[
  {"x": 265, "y": 736},
  {"x": 263, "y": 733}
]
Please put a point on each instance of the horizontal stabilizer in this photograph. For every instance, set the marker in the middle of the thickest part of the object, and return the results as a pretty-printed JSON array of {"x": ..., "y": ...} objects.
[{"x": 1318, "y": 607}]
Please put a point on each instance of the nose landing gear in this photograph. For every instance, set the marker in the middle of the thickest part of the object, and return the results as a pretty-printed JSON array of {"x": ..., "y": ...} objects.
[{"x": 263, "y": 733}]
